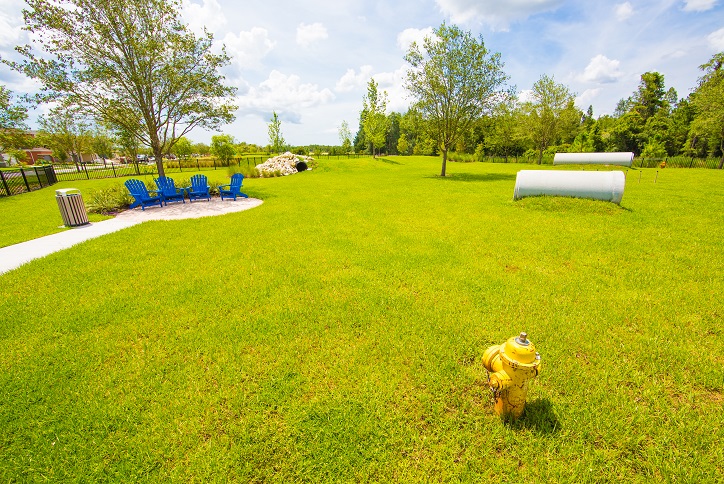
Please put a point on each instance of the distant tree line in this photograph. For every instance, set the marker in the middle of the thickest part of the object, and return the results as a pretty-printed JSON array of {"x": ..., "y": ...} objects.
[{"x": 653, "y": 122}]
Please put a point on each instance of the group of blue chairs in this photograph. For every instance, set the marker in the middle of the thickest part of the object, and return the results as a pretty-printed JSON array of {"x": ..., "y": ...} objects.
[{"x": 168, "y": 192}]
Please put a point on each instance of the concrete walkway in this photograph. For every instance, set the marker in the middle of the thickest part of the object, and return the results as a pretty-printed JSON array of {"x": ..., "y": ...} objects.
[{"x": 16, "y": 255}]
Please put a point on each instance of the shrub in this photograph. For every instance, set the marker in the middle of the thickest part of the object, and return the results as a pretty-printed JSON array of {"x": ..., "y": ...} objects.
[
  {"x": 461, "y": 157},
  {"x": 247, "y": 171},
  {"x": 108, "y": 200}
]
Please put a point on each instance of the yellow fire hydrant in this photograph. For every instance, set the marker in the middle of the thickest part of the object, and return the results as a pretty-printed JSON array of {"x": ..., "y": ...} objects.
[{"x": 511, "y": 365}]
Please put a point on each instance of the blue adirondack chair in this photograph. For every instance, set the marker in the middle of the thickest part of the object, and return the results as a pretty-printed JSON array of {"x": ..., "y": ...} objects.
[
  {"x": 234, "y": 188},
  {"x": 168, "y": 190},
  {"x": 141, "y": 195},
  {"x": 199, "y": 188}
]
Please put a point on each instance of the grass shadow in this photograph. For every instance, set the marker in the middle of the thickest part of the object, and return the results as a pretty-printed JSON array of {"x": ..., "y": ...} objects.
[
  {"x": 389, "y": 162},
  {"x": 565, "y": 204},
  {"x": 539, "y": 417},
  {"x": 470, "y": 177}
]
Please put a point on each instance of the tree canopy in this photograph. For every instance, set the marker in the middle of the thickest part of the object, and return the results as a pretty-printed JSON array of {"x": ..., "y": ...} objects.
[
  {"x": 130, "y": 63},
  {"x": 549, "y": 112},
  {"x": 222, "y": 147},
  {"x": 12, "y": 124},
  {"x": 67, "y": 133},
  {"x": 454, "y": 81},
  {"x": 708, "y": 103},
  {"x": 374, "y": 119}
]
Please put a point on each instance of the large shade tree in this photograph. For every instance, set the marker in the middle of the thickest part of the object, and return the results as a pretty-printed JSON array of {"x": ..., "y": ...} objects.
[
  {"x": 132, "y": 64},
  {"x": 454, "y": 80}
]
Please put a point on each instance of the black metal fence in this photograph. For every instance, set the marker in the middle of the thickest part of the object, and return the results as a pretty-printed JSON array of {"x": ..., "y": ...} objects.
[
  {"x": 14, "y": 181},
  {"x": 670, "y": 162},
  {"x": 678, "y": 162},
  {"x": 21, "y": 180},
  {"x": 110, "y": 169}
]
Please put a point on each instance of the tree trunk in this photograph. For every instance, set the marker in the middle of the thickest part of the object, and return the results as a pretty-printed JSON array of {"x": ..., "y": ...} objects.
[
  {"x": 444, "y": 162},
  {"x": 159, "y": 159},
  {"x": 540, "y": 156},
  {"x": 721, "y": 147}
]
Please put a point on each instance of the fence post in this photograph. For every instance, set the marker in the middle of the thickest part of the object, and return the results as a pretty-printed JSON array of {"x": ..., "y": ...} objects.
[
  {"x": 40, "y": 182},
  {"x": 52, "y": 176},
  {"x": 22, "y": 172},
  {"x": 5, "y": 184}
]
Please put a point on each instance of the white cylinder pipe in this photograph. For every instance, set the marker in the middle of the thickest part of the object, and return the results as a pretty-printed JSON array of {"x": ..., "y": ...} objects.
[
  {"x": 597, "y": 185},
  {"x": 619, "y": 158}
]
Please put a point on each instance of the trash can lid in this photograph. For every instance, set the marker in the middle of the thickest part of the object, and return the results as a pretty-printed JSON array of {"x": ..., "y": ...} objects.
[{"x": 64, "y": 192}]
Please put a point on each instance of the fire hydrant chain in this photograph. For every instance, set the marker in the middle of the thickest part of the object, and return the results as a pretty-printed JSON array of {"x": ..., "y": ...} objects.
[{"x": 509, "y": 367}]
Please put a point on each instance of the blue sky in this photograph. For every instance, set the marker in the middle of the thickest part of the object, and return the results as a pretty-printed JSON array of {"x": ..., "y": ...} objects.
[{"x": 310, "y": 61}]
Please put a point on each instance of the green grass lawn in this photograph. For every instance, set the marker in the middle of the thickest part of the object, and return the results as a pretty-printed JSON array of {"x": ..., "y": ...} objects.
[
  {"x": 36, "y": 214},
  {"x": 335, "y": 334}
]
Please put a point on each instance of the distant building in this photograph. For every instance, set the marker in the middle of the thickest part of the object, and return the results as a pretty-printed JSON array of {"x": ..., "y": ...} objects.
[{"x": 39, "y": 155}]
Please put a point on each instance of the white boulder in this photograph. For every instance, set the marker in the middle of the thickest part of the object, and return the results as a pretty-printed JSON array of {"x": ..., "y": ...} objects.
[{"x": 285, "y": 164}]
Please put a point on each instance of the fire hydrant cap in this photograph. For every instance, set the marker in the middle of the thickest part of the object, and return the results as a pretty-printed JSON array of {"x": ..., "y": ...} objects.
[{"x": 520, "y": 353}]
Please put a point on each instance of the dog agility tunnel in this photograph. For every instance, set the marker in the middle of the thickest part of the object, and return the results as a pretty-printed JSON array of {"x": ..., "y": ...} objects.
[
  {"x": 619, "y": 158},
  {"x": 597, "y": 185}
]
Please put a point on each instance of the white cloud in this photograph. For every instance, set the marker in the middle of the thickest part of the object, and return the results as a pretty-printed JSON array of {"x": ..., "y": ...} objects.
[
  {"x": 11, "y": 31},
  {"x": 286, "y": 95},
  {"x": 408, "y": 36},
  {"x": 601, "y": 70},
  {"x": 495, "y": 13},
  {"x": 394, "y": 84},
  {"x": 351, "y": 80},
  {"x": 699, "y": 5},
  {"x": 586, "y": 98},
  {"x": 207, "y": 14},
  {"x": 308, "y": 34},
  {"x": 716, "y": 40},
  {"x": 624, "y": 11},
  {"x": 247, "y": 49},
  {"x": 525, "y": 95}
]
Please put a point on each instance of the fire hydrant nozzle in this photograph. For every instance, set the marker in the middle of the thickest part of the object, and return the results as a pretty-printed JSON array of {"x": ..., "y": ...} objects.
[{"x": 511, "y": 365}]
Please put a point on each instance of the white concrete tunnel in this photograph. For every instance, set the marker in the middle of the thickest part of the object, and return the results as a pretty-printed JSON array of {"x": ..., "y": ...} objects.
[
  {"x": 618, "y": 158},
  {"x": 597, "y": 185}
]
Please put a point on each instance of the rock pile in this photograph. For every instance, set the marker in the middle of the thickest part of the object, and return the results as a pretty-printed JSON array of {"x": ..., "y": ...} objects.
[{"x": 285, "y": 164}]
